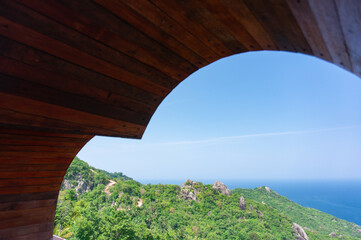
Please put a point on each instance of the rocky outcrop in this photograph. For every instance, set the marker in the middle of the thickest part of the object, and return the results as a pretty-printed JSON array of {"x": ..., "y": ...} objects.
[
  {"x": 221, "y": 188},
  {"x": 139, "y": 202},
  {"x": 190, "y": 189},
  {"x": 268, "y": 189},
  {"x": 242, "y": 203},
  {"x": 332, "y": 234},
  {"x": 67, "y": 185},
  {"x": 81, "y": 188},
  {"x": 78, "y": 183},
  {"x": 299, "y": 232}
]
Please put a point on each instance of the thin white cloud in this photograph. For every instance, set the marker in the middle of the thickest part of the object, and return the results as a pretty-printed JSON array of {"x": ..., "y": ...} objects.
[{"x": 269, "y": 134}]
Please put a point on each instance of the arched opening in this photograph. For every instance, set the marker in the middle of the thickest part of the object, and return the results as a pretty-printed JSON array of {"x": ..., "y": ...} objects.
[
  {"x": 251, "y": 96},
  {"x": 74, "y": 69},
  {"x": 290, "y": 123}
]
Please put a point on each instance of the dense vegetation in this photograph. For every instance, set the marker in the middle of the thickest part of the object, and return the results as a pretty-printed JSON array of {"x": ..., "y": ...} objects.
[
  {"x": 320, "y": 224},
  {"x": 95, "y": 204}
]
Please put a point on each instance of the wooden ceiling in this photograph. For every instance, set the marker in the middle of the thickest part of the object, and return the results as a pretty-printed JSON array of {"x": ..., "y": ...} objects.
[{"x": 70, "y": 70}]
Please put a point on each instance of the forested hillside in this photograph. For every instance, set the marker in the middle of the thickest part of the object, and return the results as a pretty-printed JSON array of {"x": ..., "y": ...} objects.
[
  {"x": 95, "y": 204},
  {"x": 312, "y": 219}
]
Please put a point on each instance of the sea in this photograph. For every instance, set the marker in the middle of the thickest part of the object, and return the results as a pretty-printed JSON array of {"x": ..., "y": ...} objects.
[{"x": 340, "y": 198}]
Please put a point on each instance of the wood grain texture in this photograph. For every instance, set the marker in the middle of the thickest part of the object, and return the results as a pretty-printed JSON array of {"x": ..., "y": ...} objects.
[
  {"x": 307, "y": 22},
  {"x": 160, "y": 26},
  {"x": 42, "y": 42},
  {"x": 70, "y": 70},
  {"x": 330, "y": 27},
  {"x": 31, "y": 174},
  {"x": 349, "y": 14},
  {"x": 96, "y": 46}
]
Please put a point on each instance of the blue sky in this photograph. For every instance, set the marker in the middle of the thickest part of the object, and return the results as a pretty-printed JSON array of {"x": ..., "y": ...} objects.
[{"x": 258, "y": 115}]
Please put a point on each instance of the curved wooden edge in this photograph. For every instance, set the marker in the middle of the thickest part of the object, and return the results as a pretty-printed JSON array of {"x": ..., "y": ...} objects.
[{"x": 30, "y": 182}]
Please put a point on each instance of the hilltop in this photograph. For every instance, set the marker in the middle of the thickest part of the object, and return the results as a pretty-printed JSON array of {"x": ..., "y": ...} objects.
[{"x": 95, "y": 204}]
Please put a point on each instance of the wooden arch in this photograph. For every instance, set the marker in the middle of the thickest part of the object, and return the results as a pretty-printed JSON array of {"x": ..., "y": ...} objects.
[{"x": 70, "y": 70}]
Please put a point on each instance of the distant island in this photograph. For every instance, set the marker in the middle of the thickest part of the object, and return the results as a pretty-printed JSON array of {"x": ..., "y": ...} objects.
[{"x": 96, "y": 204}]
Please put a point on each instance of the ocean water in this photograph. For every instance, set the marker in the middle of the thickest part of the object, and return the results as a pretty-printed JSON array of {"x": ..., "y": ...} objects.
[{"x": 341, "y": 198}]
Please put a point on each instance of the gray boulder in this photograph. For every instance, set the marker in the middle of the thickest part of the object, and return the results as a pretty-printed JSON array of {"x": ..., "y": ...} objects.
[
  {"x": 299, "y": 232},
  {"x": 190, "y": 189},
  {"x": 221, "y": 188},
  {"x": 242, "y": 203}
]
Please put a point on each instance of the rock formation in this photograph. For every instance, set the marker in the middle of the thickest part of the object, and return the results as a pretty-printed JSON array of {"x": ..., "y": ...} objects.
[
  {"x": 242, "y": 203},
  {"x": 190, "y": 189},
  {"x": 221, "y": 188},
  {"x": 139, "y": 202},
  {"x": 80, "y": 185},
  {"x": 299, "y": 232},
  {"x": 332, "y": 234},
  {"x": 268, "y": 189}
]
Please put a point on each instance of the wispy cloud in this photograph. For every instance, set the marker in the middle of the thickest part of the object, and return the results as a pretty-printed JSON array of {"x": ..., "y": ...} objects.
[{"x": 268, "y": 134}]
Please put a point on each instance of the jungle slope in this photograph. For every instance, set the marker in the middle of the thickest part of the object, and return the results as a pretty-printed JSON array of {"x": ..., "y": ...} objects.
[{"x": 95, "y": 204}]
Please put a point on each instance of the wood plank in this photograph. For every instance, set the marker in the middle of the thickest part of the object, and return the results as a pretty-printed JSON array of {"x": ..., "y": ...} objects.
[
  {"x": 29, "y": 174},
  {"x": 90, "y": 81},
  {"x": 24, "y": 121},
  {"x": 144, "y": 32},
  {"x": 18, "y": 205},
  {"x": 26, "y": 217},
  {"x": 15, "y": 134},
  {"x": 209, "y": 24},
  {"x": 34, "y": 142},
  {"x": 166, "y": 62},
  {"x": 349, "y": 13},
  {"x": 307, "y": 22},
  {"x": 240, "y": 11},
  {"x": 28, "y": 189},
  {"x": 325, "y": 13},
  {"x": 26, "y": 230},
  {"x": 222, "y": 12},
  {"x": 34, "y": 39},
  {"x": 33, "y": 88},
  {"x": 73, "y": 87},
  {"x": 35, "y": 149},
  {"x": 48, "y": 235},
  {"x": 21, "y": 212},
  {"x": 95, "y": 122},
  {"x": 29, "y": 196},
  {"x": 186, "y": 18},
  {"x": 278, "y": 20},
  {"x": 37, "y": 140},
  {"x": 31, "y": 19},
  {"x": 14, "y": 182},
  {"x": 38, "y": 155},
  {"x": 32, "y": 160},
  {"x": 33, "y": 167}
]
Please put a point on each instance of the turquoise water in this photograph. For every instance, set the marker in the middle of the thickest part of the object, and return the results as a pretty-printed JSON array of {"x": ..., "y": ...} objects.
[{"x": 339, "y": 198}]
